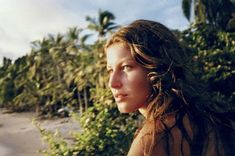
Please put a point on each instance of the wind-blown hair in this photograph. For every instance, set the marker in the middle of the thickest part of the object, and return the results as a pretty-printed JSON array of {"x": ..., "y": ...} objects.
[{"x": 175, "y": 89}]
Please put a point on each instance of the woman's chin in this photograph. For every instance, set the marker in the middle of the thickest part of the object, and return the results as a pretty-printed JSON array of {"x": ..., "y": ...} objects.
[{"x": 124, "y": 110}]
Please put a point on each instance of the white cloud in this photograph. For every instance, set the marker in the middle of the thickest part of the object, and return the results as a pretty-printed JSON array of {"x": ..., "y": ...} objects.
[{"x": 23, "y": 21}]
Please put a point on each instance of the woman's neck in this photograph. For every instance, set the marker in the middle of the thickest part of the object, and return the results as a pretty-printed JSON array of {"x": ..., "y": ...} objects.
[{"x": 143, "y": 111}]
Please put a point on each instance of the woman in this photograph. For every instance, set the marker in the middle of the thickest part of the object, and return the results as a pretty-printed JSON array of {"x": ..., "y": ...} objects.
[{"x": 149, "y": 72}]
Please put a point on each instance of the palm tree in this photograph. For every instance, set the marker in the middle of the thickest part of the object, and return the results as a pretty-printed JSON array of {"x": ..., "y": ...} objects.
[
  {"x": 104, "y": 23},
  {"x": 215, "y": 12},
  {"x": 73, "y": 34},
  {"x": 40, "y": 45},
  {"x": 56, "y": 39}
]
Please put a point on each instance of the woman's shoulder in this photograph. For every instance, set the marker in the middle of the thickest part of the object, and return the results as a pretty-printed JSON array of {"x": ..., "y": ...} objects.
[
  {"x": 163, "y": 126},
  {"x": 164, "y": 123}
]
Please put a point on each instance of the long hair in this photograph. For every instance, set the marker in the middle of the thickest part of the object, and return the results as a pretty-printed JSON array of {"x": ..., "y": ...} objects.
[{"x": 175, "y": 88}]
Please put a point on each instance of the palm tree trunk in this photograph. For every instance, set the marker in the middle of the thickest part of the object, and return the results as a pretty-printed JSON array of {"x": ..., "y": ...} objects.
[
  {"x": 85, "y": 98},
  {"x": 80, "y": 104}
]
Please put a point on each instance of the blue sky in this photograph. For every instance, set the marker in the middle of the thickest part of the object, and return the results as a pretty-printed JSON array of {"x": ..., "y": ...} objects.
[{"x": 23, "y": 21}]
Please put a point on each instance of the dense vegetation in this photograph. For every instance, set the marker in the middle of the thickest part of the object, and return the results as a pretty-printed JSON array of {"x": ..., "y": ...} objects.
[{"x": 63, "y": 71}]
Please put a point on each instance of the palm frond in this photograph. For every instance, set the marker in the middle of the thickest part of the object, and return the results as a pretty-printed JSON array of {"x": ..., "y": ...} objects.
[{"x": 186, "y": 6}]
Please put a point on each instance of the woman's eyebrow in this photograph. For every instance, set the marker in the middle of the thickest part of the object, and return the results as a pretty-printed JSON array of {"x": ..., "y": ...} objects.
[
  {"x": 130, "y": 59},
  {"x": 122, "y": 61}
]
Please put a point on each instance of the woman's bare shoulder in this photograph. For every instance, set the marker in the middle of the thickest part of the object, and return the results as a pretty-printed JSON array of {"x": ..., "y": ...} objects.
[{"x": 144, "y": 139}]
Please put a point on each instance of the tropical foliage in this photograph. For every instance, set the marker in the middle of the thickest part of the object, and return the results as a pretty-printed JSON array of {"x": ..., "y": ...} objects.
[
  {"x": 41, "y": 80},
  {"x": 214, "y": 53},
  {"x": 219, "y": 13}
]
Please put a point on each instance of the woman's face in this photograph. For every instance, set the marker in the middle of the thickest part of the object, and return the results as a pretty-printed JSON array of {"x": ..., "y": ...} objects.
[{"x": 128, "y": 80}]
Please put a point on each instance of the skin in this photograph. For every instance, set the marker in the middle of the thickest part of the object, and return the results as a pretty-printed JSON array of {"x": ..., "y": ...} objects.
[{"x": 128, "y": 80}]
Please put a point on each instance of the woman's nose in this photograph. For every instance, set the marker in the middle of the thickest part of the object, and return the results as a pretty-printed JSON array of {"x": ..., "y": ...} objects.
[{"x": 115, "y": 80}]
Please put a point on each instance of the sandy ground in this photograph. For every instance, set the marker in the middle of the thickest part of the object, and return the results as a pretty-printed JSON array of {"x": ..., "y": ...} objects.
[{"x": 19, "y": 137}]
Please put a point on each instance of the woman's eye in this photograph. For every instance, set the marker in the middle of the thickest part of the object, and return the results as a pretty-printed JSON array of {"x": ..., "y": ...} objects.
[{"x": 126, "y": 67}]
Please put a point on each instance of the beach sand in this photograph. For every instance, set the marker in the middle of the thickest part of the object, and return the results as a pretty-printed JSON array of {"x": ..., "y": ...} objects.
[{"x": 18, "y": 136}]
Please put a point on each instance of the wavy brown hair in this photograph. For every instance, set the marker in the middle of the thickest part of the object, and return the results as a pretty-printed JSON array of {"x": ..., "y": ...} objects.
[{"x": 175, "y": 88}]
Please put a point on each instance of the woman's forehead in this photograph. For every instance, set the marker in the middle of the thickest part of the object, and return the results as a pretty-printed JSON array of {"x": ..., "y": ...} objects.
[
  {"x": 117, "y": 53},
  {"x": 118, "y": 49}
]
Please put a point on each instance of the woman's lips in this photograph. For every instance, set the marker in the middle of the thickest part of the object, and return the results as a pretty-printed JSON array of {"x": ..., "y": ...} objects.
[{"x": 120, "y": 97}]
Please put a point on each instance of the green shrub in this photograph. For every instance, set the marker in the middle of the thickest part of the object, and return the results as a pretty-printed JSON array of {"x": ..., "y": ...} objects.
[
  {"x": 214, "y": 53},
  {"x": 104, "y": 131}
]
